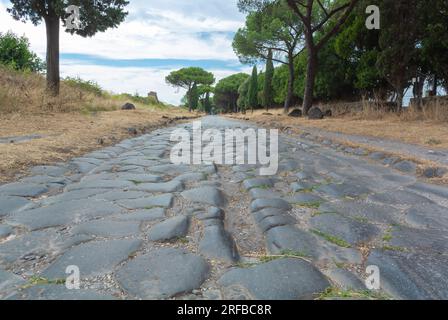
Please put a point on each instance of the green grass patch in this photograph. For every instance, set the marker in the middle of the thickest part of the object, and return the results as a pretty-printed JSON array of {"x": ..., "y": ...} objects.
[
  {"x": 393, "y": 248},
  {"x": 333, "y": 292},
  {"x": 136, "y": 182},
  {"x": 335, "y": 240},
  {"x": 36, "y": 281},
  {"x": 309, "y": 205}
]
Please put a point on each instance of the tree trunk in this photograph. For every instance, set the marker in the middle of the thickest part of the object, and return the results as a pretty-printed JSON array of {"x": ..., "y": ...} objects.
[
  {"x": 291, "y": 79},
  {"x": 434, "y": 86},
  {"x": 53, "y": 78},
  {"x": 399, "y": 100},
  {"x": 309, "y": 80}
]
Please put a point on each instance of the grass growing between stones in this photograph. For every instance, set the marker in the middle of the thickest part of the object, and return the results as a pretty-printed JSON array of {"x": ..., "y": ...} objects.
[
  {"x": 36, "y": 281},
  {"x": 335, "y": 240},
  {"x": 393, "y": 248},
  {"x": 310, "y": 205},
  {"x": 333, "y": 292},
  {"x": 268, "y": 258}
]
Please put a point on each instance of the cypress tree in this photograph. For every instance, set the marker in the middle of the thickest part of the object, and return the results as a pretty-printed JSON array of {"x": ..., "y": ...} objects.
[
  {"x": 253, "y": 89},
  {"x": 268, "y": 93}
]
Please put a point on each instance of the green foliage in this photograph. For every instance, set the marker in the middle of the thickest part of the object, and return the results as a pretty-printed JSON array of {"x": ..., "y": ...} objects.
[
  {"x": 268, "y": 90},
  {"x": 194, "y": 97},
  {"x": 188, "y": 77},
  {"x": 15, "y": 53},
  {"x": 243, "y": 92},
  {"x": 253, "y": 89},
  {"x": 84, "y": 85},
  {"x": 95, "y": 16},
  {"x": 226, "y": 91}
]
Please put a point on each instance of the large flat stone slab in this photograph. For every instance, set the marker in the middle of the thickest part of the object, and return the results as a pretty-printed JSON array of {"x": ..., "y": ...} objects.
[
  {"x": 20, "y": 189},
  {"x": 108, "y": 228},
  {"x": 173, "y": 228},
  {"x": 412, "y": 276},
  {"x": 283, "y": 279},
  {"x": 347, "y": 229},
  {"x": 206, "y": 195},
  {"x": 164, "y": 187},
  {"x": 93, "y": 258},
  {"x": 11, "y": 204},
  {"x": 162, "y": 274},
  {"x": 163, "y": 201},
  {"x": 217, "y": 244},
  {"x": 63, "y": 213}
]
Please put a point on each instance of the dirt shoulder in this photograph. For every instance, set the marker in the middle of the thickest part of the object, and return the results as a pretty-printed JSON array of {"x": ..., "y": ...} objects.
[
  {"x": 429, "y": 134},
  {"x": 423, "y": 142},
  {"x": 27, "y": 140}
]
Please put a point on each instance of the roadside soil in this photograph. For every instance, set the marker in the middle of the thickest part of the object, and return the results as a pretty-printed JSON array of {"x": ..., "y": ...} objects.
[
  {"x": 432, "y": 134},
  {"x": 54, "y": 137}
]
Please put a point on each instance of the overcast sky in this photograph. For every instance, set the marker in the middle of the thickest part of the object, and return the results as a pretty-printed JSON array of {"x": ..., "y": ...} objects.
[{"x": 157, "y": 37}]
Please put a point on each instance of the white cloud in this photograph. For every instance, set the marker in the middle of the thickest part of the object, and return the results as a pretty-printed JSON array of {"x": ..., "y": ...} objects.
[
  {"x": 154, "y": 29},
  {"x": 132, "y": 80}
]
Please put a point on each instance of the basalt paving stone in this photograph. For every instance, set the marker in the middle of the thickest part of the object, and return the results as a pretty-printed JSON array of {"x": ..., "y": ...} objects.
[
  {"x": 5, "y": 231},
  {"x": 165, "y": 187},
  {"x": 263, "y": 194},
  {"x": 34, "y": 245},
  {"x": 21, "y": 189},
  {"x": 420, "y": 240},
  {"x": 58, "y": 292},
  {"x": 399, "y": 197},
  {"x": 289, "y": 165},
  {"x": 206, "y": 195},
  {"x": 171, "y": 169},
  {"x": 63, "y": 213},
  {"x": 260, "y": 204},
  {"x": 430, "y": 216},
  {"x": 349, "y": 230},
  {"x": 162, "y": 274},
  {"x": 343, "y": 190},
  {"x": 54, "y": 171},
  {"x": 108, "y": 228},
  {"x": 73, "y": 195},
  {"x": 10, "y": 204},
  {"x": 258, "y": 182},
  {"x": 211, "y": 223},
  {"x": 45, "y": 180},
  {"x": 289, "y": 238},
  {"x": 140, "y": 178},
  {"x": 282, "y": 279},
  {"x": 276, "y": 221},
  {"x": 346, "y": 280},
  {"x": 93, "y": 258},
  {"x": 399, "y": 179},
  {"x": 172, "y": 228},
  {"x": 142, "y": 215},
  {"x": 121, "y": 195},
  {"x": 9, "y": 282},
  {"x": 406, "y": 166},
  {"x": 164, "y": 201},
  {"x": 301, "y": 186},
  {"x": 440, "y": 191},
  {"x": 212, "y": 213},
  {"x": 268, "y": 212},
  {"x": 191, "y": 177},
  {"x": 304, "y": 199},
  {"x": 217, "y": 244},
  {"x": 370, "y": 212},
  {"x": 412, "y": 276},
  {"x": 101, "y": 184}
]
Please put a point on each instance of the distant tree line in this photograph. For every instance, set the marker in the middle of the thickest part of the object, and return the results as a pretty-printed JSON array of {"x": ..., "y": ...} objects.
[{"x": 324, "y": 52}]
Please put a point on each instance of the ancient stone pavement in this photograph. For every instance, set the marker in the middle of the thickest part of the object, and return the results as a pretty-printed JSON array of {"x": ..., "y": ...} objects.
[{"x": 139, "y": 227}]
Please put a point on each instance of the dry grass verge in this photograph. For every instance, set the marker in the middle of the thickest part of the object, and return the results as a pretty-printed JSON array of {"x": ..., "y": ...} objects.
[
  {"x": 428, "y": 133},
  {"x": 67, "y": 135}
]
